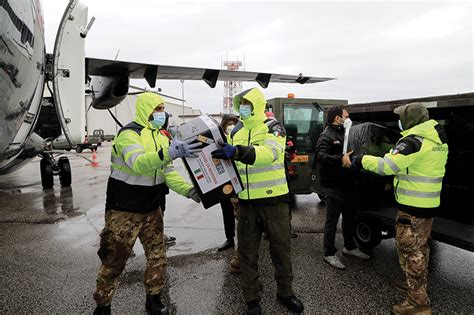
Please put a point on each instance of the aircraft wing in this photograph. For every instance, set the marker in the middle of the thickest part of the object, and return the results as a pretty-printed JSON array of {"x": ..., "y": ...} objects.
[{"x": 151, "y": 73}]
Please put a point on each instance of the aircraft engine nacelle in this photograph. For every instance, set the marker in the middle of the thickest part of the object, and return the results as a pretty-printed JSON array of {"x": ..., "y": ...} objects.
[{"x": 108, "y": 92}]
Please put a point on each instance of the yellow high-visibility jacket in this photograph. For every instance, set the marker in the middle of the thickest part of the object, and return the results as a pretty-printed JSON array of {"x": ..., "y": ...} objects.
[
  {"x": 140, "y": 162},
  {"x": 261, "y": 146},
  {"x": 418, "y": 163}
]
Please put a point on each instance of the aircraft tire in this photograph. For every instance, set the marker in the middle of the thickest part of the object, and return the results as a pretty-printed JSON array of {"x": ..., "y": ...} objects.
[
  {"x": 47, "y": 176},
  {"x": 64, "y": 171},
  {"x": 367, "y": 234}
]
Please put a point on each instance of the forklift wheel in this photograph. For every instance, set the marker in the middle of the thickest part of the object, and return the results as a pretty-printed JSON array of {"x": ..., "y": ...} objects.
[{"x": 367, "y": 234}]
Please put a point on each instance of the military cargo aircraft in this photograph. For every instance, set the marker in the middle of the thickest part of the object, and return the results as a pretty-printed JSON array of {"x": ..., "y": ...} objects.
[{"x": 25, "y": 69}]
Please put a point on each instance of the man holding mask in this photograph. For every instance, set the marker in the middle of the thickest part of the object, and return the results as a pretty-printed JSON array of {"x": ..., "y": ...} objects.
[{"x": 337, "y": 185}]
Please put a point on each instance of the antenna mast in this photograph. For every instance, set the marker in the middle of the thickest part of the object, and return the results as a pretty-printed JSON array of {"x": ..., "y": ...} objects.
[{"x": 231, "y": 88}]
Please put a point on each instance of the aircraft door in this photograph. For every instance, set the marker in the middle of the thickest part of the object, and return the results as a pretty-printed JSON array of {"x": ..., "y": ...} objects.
[{"x": 69, "y": 72}]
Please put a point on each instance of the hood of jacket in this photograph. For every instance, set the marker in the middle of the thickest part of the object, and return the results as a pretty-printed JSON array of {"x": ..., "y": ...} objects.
[
  {"x": 426, "y": 130},
  {"x": 144, "y": 107},
  {"x": 412, "y": 114},
  {"x": 258, "y": 101}
]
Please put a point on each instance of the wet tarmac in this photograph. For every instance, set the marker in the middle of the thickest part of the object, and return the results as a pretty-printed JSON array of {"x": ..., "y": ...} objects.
[{"x": 49, "y": 240}]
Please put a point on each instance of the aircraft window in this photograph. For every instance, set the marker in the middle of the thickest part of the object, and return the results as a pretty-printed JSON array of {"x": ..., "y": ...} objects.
[{"x": 303, "y": 124}]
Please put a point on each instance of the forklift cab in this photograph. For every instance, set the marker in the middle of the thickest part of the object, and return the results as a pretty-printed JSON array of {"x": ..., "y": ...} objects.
[{"x": 303, "y": 120}]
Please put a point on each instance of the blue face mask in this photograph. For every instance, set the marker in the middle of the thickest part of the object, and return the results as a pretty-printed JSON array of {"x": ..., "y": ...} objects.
[
  {"x": 245, "y": 111},
  {"x": 159, "y": 119}
]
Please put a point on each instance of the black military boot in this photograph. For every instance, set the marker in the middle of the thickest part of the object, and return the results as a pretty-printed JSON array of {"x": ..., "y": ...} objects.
[
  {"x": 102, "y": 310},
  {"x": 292, "y": 303},
  {"x": 253, "y": 308},
  {"x": 154, "y": 306}
]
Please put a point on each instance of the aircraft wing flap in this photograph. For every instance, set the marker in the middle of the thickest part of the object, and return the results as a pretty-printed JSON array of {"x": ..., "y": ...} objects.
[{"x": 103, "y": 67}]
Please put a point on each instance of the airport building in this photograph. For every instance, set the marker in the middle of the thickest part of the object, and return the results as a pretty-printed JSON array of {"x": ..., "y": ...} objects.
[{"x": 125, "y": 112}]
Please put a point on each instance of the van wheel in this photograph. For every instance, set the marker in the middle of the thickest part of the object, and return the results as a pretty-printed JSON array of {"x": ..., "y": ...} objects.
[
  {"x": 367, "y": 234},
  {"x": 64, "y": 171},
  {"x": 47, "y": 176}
]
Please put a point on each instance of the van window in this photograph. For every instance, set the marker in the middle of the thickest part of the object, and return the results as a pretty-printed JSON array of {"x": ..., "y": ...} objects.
[{"x": 303, "y": 124}]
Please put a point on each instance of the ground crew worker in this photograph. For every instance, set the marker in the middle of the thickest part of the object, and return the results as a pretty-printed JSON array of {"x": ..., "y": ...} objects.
[
  {"x": 418, "y": 162},
  {"x": 230, "y": 207},
  {"x": 227, "y": 124},
  {"x": 140, "y": 162},
  {"x": 259, "y": 151}
]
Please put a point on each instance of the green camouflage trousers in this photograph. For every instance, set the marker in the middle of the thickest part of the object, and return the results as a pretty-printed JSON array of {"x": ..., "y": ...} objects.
[
  {"x": 274, "y": 220},
  {"x": 116, "y": 243},
  {"x": 412, "y": 236}
]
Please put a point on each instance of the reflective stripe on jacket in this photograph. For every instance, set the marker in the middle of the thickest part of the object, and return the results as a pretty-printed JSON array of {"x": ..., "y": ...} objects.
[
  {"x": 140, "y": 162},
  {"x": 418, "y": 175},
  {"x": 265, "y": 178}
]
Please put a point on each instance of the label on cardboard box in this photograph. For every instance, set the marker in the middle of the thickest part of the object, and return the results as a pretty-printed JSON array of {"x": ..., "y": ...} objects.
[
  {"x": 208, "y": 172},
  {"x": 215, "y": 179}
]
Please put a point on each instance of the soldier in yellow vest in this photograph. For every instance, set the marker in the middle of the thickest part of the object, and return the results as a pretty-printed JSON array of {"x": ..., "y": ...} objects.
[
  {"x": 258, "y": 147},
  {"x": 141, "y": 162},
  {"x": 418, "y": 162}
]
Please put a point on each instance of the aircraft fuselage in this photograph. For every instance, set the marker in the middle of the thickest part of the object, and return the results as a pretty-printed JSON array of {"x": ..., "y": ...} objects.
[{"x": 22, "y": 74}]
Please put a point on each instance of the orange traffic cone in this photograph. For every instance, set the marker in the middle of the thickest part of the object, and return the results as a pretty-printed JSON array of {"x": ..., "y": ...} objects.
[{"x": 94, "y": 159}]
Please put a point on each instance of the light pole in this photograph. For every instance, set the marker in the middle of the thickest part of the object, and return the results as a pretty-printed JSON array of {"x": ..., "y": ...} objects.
[{"x": 182, "y": 96}]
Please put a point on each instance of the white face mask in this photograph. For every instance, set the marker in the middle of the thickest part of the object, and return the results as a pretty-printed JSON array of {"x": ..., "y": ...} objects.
[
  {"x": 347, "y": 123},
  {"x": 229, "y": 128}
]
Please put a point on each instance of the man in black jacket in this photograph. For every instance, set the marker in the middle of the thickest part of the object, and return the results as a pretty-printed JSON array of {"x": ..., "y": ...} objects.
[{"x": 337, "y": 185}]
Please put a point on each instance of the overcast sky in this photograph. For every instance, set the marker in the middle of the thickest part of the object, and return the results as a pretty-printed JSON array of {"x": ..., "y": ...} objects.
[{"x": 377, "y": 50}]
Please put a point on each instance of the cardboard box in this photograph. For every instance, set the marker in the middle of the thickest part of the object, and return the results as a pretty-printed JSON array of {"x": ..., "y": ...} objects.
[{"x": 214, "y": 179}]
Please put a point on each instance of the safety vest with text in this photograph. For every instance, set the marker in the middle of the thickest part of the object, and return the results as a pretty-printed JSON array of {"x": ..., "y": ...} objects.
[{"x": 418, "y": 163}]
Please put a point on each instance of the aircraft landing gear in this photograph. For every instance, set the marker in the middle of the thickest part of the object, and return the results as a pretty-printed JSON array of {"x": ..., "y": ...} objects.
[
  {"x": 64, "y": 171},
  {"x": 49, "y": 168},
  {"x": 47, "y": 175}
]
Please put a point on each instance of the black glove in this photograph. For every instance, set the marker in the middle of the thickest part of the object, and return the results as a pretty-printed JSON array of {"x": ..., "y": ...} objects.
[{"x": 194, "y": 195}]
